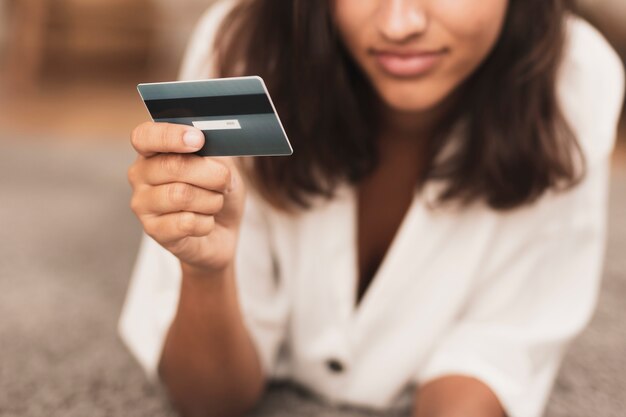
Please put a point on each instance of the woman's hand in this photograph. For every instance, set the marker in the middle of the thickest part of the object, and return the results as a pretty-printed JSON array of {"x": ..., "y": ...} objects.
[{"x": 189, "y": 204}]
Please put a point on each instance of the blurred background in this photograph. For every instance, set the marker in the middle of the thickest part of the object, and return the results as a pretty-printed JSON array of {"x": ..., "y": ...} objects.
[{"x": 68, "y": 71}]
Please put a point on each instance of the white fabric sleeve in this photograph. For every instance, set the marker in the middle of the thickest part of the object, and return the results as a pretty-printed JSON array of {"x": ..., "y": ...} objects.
[
  {"x": 531, "y": 302},
  {"x": 150, "y": 305},
  {"x": 154, "y": 290},
  {"x": 540, "y": 294}
]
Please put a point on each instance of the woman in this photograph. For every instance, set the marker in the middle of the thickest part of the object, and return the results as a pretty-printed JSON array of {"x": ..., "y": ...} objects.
[{"x": 436, "y": 237}]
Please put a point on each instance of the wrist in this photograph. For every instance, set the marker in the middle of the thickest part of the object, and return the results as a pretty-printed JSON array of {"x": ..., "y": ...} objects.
[{"x": 206, "y": 278}]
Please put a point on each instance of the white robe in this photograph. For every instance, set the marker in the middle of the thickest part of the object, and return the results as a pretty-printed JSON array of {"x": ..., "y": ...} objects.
[{"x": 496, "y": 296}]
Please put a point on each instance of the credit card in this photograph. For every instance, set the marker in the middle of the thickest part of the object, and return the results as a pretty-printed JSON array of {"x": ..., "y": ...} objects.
[{"x": 236, "y": 114}]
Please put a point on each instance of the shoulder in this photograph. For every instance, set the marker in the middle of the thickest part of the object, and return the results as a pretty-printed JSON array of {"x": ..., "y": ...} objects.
[
  {"x": 590, "y": 88},
  {"x": 198, "y": 59}
]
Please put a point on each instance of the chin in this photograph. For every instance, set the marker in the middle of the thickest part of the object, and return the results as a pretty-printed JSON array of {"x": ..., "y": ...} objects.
[{"x": 410, "y": 98}]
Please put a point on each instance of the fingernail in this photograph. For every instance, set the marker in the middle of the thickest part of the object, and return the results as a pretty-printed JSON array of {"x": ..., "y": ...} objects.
[{"x": 193, "y": 139}]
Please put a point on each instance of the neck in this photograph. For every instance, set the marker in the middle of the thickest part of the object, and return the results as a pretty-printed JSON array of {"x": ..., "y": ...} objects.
[{"x": 399, "y": 125}]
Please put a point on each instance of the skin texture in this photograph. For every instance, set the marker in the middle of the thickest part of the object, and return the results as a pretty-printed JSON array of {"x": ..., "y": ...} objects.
[
  {"x": 465, "y": 30},
  {"x": 456, "y": 396},
  {"x": 189, "y": 204}
]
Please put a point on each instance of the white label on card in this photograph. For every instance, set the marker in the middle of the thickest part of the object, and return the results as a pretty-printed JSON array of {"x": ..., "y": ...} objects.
[{"x": 217, "y": 124}]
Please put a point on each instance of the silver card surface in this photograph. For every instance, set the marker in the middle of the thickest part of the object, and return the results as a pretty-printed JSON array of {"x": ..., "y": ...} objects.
[{"x": 236, "y": 115}]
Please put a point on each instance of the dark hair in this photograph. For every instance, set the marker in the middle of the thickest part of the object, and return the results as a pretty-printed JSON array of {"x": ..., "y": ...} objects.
[{"x": 516, "y": 143}]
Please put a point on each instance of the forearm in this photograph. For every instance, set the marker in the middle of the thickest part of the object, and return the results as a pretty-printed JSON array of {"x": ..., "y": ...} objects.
[
  {"x": 209, "y": 364},
  {"x": 456, "y": 396}
]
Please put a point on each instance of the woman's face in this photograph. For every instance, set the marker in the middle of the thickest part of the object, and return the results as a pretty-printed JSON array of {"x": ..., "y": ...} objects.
[{"x": 416, "y": 52}]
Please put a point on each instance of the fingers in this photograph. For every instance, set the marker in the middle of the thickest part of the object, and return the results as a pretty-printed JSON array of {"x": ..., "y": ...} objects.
[
  {"x": 176, "y": 197},
  {"x": 208, "y": 173},
  {"x": 172, "y": 227},
  {"x": 233, "y": 169},
  {"x": 150, "y": 138}
]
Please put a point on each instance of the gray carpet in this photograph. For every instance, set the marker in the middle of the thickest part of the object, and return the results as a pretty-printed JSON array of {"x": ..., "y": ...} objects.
[{"x": 67, "y": 247}]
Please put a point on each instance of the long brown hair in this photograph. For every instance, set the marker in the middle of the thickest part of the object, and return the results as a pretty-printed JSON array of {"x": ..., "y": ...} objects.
[{"x": 516, "y": 143}]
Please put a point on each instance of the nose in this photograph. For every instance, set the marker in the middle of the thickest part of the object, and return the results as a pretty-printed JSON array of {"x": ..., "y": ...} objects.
[{"x": 402, "y": 20}]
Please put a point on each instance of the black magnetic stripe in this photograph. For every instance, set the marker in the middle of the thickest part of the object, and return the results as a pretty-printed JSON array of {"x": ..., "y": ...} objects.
[{"x": 209, "y": 106}]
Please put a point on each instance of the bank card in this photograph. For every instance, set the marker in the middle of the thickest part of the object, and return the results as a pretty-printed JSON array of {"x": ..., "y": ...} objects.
[{"x": 236, "y": 114}]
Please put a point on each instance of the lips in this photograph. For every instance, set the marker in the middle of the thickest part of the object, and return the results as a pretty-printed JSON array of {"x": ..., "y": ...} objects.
[{"x": 407, "y": 63}]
